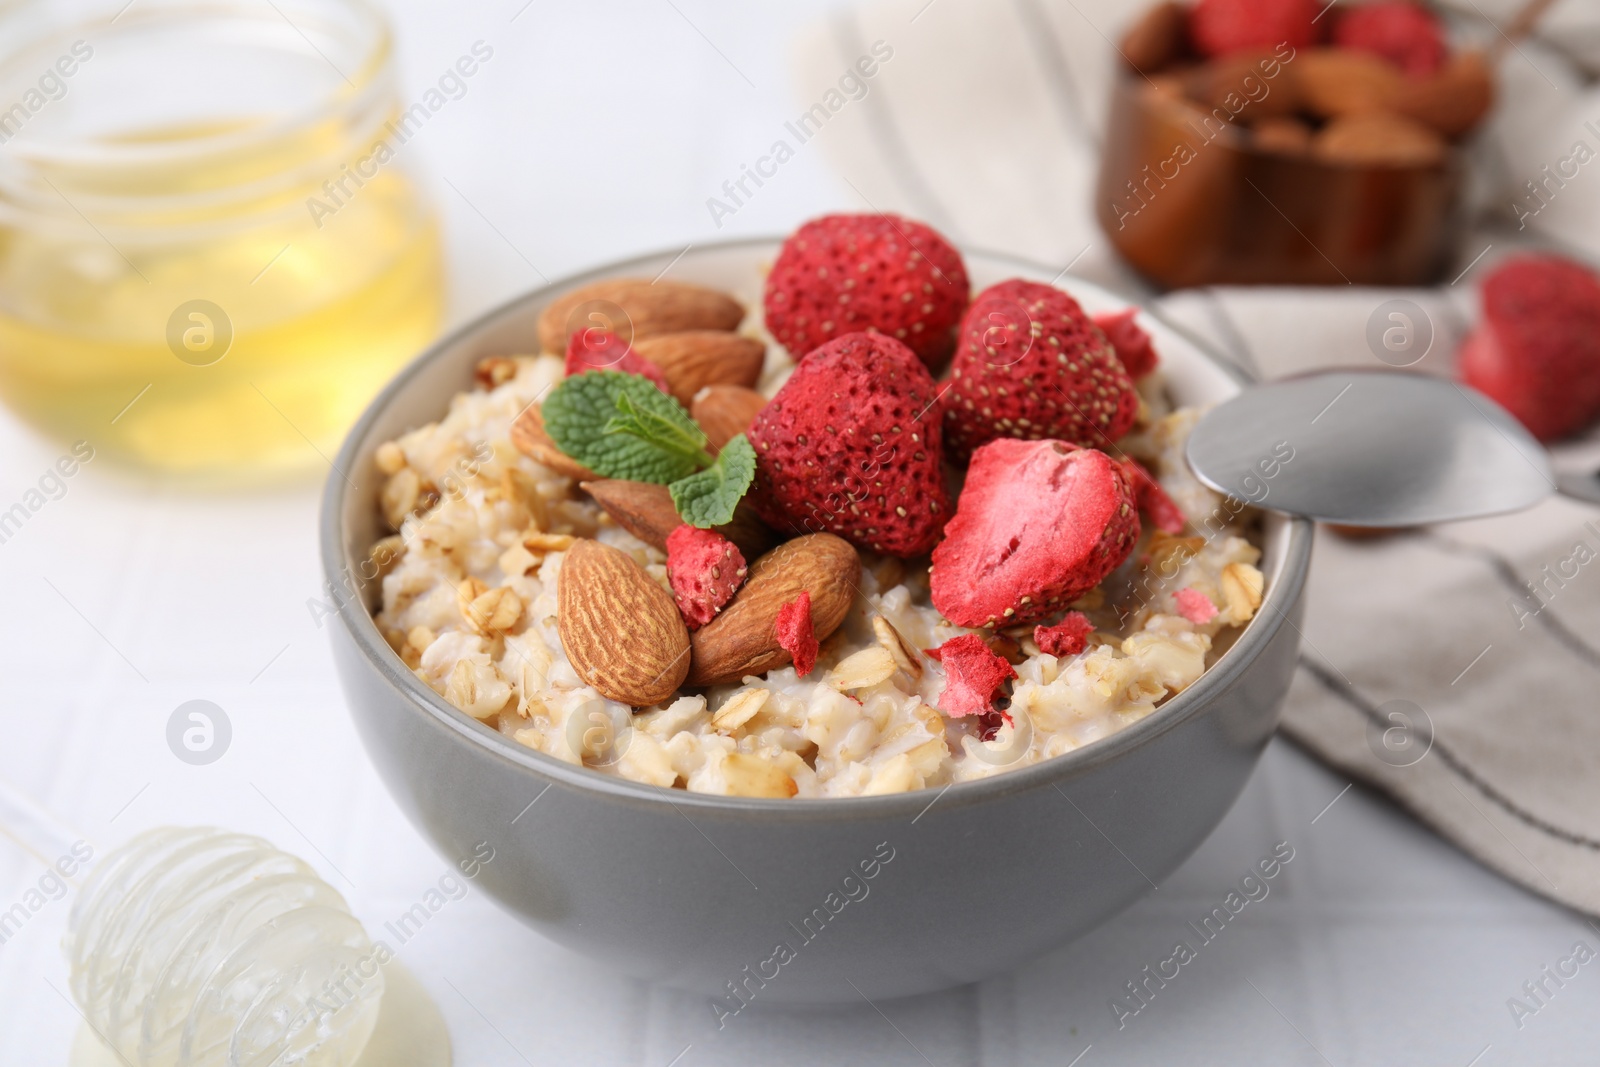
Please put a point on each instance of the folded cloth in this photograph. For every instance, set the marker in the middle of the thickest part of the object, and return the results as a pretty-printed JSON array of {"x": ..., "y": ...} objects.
[{"x": 1453, "y": 667}]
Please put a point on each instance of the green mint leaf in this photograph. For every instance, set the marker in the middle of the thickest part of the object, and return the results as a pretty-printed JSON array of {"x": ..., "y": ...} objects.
[
  {"x": 580, "y": 413},
  {"x": 667, "y": 426},
  {"x": 708, "y": 498}
]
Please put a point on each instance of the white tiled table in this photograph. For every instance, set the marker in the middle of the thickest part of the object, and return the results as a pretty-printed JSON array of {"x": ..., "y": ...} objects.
[{"x": 1378, "y": 945}]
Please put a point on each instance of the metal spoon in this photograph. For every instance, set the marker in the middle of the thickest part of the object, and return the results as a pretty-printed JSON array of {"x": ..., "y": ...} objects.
[{"x": 1370, "y": 448}]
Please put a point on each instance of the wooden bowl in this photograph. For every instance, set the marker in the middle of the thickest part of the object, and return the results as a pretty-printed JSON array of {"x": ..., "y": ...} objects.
[{"x": 1187, "y": 204}]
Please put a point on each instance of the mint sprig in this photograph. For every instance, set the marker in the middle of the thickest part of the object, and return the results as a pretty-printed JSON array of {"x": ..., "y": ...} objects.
[
  {"x": 709, "y": 498},
  {"x": 622, "y": 426}
]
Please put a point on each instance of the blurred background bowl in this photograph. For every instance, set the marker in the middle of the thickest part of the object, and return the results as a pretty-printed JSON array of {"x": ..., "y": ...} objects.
[{"x": 1238, "y": 213}]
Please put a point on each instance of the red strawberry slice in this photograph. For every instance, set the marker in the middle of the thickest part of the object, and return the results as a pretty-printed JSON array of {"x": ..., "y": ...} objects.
[
  {"x": 797, "y": 634},
  {"x": 1032, "y": 365},
  {"x": 1220, "y": 27},
  {"x": 844, "y": 273},
  {"x": 1537, "y": 351},
  {"x": 1067, "y": 637},
  {"x": 973, "y": 672},
  {"x": 1406, "y": 34},
  {"x": 1039, "y": 524},
  {"x": 851, "y": 446},
  {"x": 705, "y": 570},
  {"x": 596, "y": 349},
  {"x": 1131, "y": 343}
]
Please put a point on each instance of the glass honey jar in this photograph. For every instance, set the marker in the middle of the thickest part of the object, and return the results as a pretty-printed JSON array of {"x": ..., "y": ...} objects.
[{"x": 212, "y": 253}]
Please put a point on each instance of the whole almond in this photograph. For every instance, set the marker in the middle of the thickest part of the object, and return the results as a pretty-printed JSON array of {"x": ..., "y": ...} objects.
[
  {"x": 1157, "y": 39},
  {"x": 694, "y": 359},
  {"x": 743, "y": 639},
  {"x": 647, "y": 309},
  {"x": 647, "y": 512},
  {"x": 529, "y": 436},
  {"x": 1453, "y": 100},
  {"x": 1239, "y": 85},
  {"x": 620, "y": 629},
  {"x": 1379, "y": 139},
  {"x": 1284, "y": 136},
  {"x": 725, "y": 411},
  {"x": 1341, "y": 81}
]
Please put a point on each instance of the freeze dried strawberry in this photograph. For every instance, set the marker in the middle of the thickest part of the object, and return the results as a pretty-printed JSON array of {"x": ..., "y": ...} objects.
[
  {"x": 1067, "y": 637},
  {"x": 1405, "y": 33},
  {"x": 1162, "y": 510},
  {"x": 843, "y": 273},
  {"x": 595, "y": 349},
  {"x": 851, "y": 446},
  {"x": 1220, "y": 27},
  {"x": 796, "y": 634},
  {"x": 1039, "y": 524},
  {"x": 1131, "y": 343},
  {"x": 1195, "y": 606},
  {"x": 1537, "y": 351},
  {"x": 1031, "y": 365},
  {"x": 972, "y": 674},
  {"x": 705, "y": 570}
]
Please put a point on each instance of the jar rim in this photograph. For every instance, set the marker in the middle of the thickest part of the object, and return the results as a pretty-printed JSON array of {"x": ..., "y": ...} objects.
[
  {"x": 366, "y": 78},
  {"x": 359, "y": 103}
]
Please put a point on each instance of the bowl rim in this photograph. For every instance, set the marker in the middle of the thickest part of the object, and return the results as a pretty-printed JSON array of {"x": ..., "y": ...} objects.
[{"x": 361, "y": 627}]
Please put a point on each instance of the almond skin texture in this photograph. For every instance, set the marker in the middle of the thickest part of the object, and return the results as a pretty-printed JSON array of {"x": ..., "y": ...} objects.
[
  {"x": 646, "y": 511},
  {"x": 620, "y": 629},
  {"x": 1337, "y": 81},
  {"x": 1455, "y": 99},
  {"x": 647, "y": 310},
  {"x": 725, "y": 411},
  {"x": 529, "y": 436},
  {"x": 694, "y": 359},
  {"x": 1379, "y": 140},
  {"x": 744, "y": 640},
  {"x": 1157, "y": 39}
]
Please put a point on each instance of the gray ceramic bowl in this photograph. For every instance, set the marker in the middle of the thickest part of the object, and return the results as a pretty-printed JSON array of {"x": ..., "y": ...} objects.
[{"x": 801, "y": 900}]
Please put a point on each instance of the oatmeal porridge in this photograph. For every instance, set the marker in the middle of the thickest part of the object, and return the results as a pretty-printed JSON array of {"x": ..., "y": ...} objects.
[{"x": 1120, "y": 581}]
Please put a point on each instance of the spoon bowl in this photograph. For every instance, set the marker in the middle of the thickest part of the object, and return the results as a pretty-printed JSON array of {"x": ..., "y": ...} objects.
[{"x": 1370, "y": 448}]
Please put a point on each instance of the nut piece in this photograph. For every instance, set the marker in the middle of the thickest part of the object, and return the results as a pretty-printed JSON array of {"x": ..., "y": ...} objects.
[
  {"x": 739, "y": 709},
  {"x": 647, "y": 512},
  {"x": 1242, "y": 585},
  {"x": 648, "y": 308},
  {"x": 1239, "y": 84},
  {"x": 1379, "y": 139},
  {"x": 863, "y": 669},
  {"x": 529, "y": 437},
  {"x": 400, "y": 496},
  {"x": 1285, "y": 136},
  {"x": 538, "y": 543},
  {"x": 753, "y": 776},
  {"x": 620, "y": 629},
  {"x": 1342, "y": 81},
  {"x": 725, "y": 411},
  {"x": 1454, "y": 99},
  {"x": 906, "y": 658},
  {"x": 494, "y": 371},
  {"x": 1157, "y": 39},
  {"x": 742, "y": 640},
  {"x": 694, "y": 359}
]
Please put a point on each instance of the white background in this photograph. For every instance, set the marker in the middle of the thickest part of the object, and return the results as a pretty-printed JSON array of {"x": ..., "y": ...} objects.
[{"x": 598, "y": 131}]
